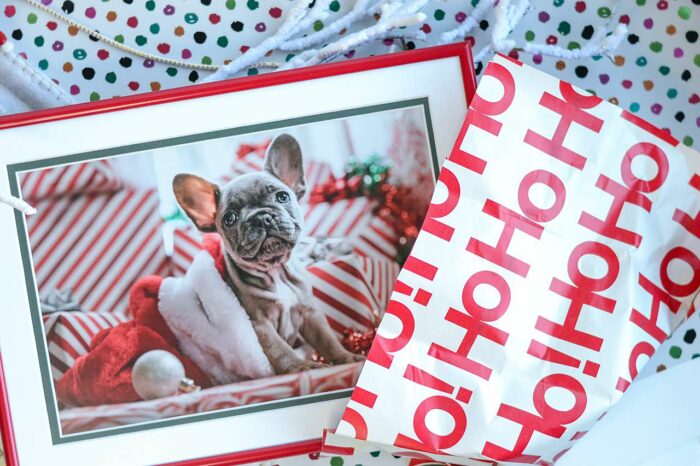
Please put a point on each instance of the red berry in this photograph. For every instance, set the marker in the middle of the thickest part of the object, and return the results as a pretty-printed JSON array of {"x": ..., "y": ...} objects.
[
  {"x": 164, "y": 48},
  {"x": 3, "y": 39},
  {"x": 51, "y": 25},
  {"x": 133, "y": 85},
  {"x": 214, "y": 18},
  {"x": 102, "y": 54},
  {"x": 132, "y": 22},
  {"x": 244, "y": 48},
  {"x": 426, "y": 28},
  {"x": 580, "y": 7},
  {"x": 10, "y": 11},
  {"x": 275, "y": 12}
]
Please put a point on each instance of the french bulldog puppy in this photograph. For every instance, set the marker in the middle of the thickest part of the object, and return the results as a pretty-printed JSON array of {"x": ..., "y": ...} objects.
[{"x": 259, "y": 220}]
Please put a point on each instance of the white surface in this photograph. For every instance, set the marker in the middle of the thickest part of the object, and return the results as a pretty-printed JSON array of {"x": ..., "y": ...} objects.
[{"x": 655, "y": 422}]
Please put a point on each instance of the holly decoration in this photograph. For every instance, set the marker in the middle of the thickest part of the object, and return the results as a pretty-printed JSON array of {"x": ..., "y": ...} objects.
[{"x": 370, "y": 178}]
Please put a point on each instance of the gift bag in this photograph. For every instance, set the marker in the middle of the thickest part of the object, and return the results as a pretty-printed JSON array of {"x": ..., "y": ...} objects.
[{"x": 560, "y": 249}]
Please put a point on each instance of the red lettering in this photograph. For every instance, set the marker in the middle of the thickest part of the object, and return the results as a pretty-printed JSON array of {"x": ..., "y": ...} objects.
[
  {"x": 571, "y": 109},
  {"x": 658, "y": 296},
  {"x": 631, "y": 192},
  {"x": 655, "y": 153},
  {"x": 691, "y": 224},
  {"x": 687, "y": 256},
  {"x": 480, "y": 115},
  {"x": 533, "y": 212},
  {"x": 549, "y": 420},
  {"x": 382, "y": 347},
  {"x": 582, "y": 293},
  {"x": 446, "y": 405},
  {"x": 357, "y": 422},
  {"x": 474, "y": 329},
  {"x": 608, "y": 227},
  {"x": 494, "y": 280},
  {"x": 498, "y": 254},
  {"x": 436, "y": 227},
  {"x": 642, "y": 348}
]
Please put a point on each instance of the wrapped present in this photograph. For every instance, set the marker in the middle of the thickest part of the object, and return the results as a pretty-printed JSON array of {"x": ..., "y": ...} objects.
[
  {"x": 561, "y": 248},
  {"x": 187, "y": 242},
  {"x": 250, "y": 158},
  {"x": 68, "y": 335},
  {"x": 279, "y": 387},
  {"x": 97, "y": 245},
  {"x": 84, "y": 178},
  {"x": 377, "y": 238},
  {"x": 346, "y": 217},
  {"x": 353, "y": 290}
]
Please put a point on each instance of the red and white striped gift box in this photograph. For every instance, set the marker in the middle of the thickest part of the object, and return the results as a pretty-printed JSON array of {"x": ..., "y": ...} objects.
[
  {"x": 91, "y": 177},
  {"x": 187, "y": 242},
  {"x": 353, "y": 290},
  {"x": 346, "y": 217},
  {"x": 97, "y": 246},
  {"x": 68, "y": 335},
  {"x": 252, "y": 160},
  {"x": 378, "y": 238},
  {"x": 211, "y": 399}
]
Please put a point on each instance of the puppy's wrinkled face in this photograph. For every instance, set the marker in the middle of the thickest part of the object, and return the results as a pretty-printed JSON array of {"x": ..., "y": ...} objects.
[
  {"x": 257, "y": 214},
  {"x": 259, "y": 219}
]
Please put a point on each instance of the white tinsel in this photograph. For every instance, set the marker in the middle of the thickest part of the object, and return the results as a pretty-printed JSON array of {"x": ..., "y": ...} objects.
[
  {"x": 34, "y": 90},
  {"x": 477, "y": 14},
  {"x": 394, "y": 15},
  {"x": 360, "y": 10},
  {"x": 301, "y": 17}
]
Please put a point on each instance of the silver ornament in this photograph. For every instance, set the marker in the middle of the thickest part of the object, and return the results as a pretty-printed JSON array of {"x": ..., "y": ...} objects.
[{"x": 157, "y": 374}]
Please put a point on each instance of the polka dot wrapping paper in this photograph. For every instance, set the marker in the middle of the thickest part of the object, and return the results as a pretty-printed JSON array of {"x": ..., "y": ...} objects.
[{"x": 654, "y": 73}]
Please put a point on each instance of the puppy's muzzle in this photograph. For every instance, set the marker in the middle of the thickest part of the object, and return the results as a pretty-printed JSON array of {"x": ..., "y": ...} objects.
[{"x": 263, "y": 221}]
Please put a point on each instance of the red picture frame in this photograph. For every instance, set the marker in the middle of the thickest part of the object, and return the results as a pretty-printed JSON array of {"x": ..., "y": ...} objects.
[{"x": 459, "y": 50}]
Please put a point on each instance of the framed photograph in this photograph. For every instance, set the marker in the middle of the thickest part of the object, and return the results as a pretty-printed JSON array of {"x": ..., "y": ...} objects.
[{"x": 207, "y": 265}]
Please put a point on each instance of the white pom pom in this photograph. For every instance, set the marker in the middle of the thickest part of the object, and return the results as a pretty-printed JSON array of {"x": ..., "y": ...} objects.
[{"x": 157, "y": 374}]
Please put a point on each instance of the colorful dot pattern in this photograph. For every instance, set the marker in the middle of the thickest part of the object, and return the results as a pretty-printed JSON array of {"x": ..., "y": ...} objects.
[
  {"x": 683, "y": 345},
  {"x": 655, "y": 73}
]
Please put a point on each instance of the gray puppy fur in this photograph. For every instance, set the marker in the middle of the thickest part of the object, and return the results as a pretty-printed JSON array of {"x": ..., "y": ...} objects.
[{"x": 259, "y": 220}]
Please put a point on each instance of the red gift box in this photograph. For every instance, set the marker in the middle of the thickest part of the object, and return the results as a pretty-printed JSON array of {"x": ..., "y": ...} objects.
[
  {"x": 68, "y": 335},
  {"x": 91, "y": 177},
  {"x": 97, "y": 246},
  {"x": 279, "y": 387}
]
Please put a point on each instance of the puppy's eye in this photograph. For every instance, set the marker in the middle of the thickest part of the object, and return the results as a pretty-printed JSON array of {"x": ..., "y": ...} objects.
[
  {"x": 282, "y": 197},
  {"x": 229, "y": 219}
]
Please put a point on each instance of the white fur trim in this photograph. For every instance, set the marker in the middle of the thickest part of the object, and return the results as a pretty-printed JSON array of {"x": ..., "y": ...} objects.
[{"x": 212, "y": 327}]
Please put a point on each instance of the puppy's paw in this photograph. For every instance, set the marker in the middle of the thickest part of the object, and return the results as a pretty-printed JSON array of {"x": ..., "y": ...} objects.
[
  {"x": 301, "y": 366},
  {"x": 347, "y": 357}
]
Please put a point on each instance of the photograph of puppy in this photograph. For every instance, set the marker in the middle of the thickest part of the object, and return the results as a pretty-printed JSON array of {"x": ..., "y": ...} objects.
[
  {"x": 259, "y": 220},
  {"x": 226, "y": 272}
]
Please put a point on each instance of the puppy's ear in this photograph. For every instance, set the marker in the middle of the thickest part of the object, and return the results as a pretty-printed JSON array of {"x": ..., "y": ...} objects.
[
  {"x": 198, "y": 198},
  {"x": 285, "y": 162}
]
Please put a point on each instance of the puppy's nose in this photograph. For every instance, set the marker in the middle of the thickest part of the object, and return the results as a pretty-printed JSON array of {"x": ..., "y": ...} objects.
[{"x": 265, "y": 220}]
